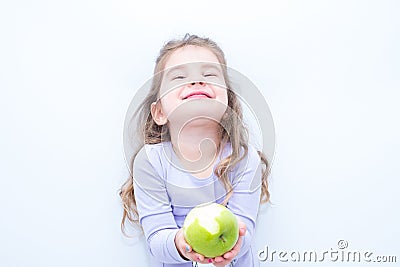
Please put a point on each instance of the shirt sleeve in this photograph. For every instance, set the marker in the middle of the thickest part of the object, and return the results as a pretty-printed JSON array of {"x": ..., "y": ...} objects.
[
  {"x": 154, "y": 208},
  {"x": 245, "y": 200}
]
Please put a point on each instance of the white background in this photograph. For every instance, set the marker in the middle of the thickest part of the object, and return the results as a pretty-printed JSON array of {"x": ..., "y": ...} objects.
[{"x": 69, "y": 69}]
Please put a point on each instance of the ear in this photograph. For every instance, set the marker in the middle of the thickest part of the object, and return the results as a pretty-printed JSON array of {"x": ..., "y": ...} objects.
[{"x": 158, "y": 114}]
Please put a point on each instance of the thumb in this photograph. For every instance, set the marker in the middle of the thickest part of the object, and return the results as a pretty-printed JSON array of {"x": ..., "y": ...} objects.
[
  {"x": 181, "y": 244},
  {"x": 242, "y": 228},
  {"x": 188, "y": 248}
]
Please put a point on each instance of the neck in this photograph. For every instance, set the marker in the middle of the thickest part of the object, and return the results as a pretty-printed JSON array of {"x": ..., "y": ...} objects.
[{"x": 196, "y": 143}]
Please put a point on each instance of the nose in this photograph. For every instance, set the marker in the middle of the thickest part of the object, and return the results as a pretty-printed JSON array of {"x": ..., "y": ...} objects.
[{"x": 199, "y": 83}]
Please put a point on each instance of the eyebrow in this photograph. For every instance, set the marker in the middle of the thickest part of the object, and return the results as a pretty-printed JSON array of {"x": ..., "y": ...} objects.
[
  {"x": 172, "y": 69},
  {"x": 215, "y": 66}
]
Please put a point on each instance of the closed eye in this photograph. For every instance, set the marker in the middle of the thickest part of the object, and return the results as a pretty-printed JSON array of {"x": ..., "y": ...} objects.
[
  {"x": 210, "y": 75},
  {"x": 178, "y": 77}
]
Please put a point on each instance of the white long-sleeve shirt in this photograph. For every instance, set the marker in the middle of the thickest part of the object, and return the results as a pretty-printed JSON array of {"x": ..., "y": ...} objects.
[{"x": 165, "y": 193}]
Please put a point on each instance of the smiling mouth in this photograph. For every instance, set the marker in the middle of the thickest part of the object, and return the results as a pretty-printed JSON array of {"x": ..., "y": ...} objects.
[{"x": 197, "y": 95}]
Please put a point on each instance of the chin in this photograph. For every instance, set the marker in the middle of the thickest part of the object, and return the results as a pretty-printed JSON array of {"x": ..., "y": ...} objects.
[{"x": 199, "y": 111}]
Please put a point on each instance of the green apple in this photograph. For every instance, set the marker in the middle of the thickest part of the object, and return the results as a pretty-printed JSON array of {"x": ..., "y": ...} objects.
[{"x": 211, "y": 230}]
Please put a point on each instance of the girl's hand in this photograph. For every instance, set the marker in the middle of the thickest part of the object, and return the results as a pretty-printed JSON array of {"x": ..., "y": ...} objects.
[
  {"x": 225, "y": 259},
  {"x": 186, "y": 250}
]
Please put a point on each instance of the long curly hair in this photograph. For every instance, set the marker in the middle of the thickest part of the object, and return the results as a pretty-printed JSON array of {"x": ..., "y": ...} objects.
[{"x": 233, "y": 129}]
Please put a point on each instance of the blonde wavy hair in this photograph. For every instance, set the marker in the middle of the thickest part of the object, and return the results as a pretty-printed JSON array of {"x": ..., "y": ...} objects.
[{"x": 233, "y": 129}]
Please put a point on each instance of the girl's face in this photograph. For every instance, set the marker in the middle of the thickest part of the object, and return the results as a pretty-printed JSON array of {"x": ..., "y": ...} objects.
[{"x": 193, "y": 85}]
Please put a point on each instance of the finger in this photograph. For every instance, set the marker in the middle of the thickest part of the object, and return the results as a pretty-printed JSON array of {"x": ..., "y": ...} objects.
[
  {"x": 218, "y": 259},
  {"x": 183, "y": 247},
  {"x": 222, "y": 264},
  {"x": 234, "y": 251},
  {"x": 193, "y": 256},
  {"x": 198, "y": 257},
  {"x": 186, "y": 250},
  {"x": 242, "y": 228},
  {"x": 229, "y": 255},
  {"x": 237, "y": 246},
  {"x": 206, "y": 260},
  {"x": 242, "y": 232}
]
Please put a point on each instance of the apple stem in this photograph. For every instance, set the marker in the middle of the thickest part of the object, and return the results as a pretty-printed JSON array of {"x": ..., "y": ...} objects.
[{"x": 222, "y": 238}]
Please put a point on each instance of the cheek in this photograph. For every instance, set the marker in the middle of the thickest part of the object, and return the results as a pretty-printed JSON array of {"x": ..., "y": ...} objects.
[
  {"x": 169, "y": 102},
  {"x": 221, "y": 94},
  {"x": 166, "y": 89}
]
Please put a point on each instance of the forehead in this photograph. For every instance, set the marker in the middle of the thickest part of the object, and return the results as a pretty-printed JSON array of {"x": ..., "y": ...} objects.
[{"x": 190, "y": 54}]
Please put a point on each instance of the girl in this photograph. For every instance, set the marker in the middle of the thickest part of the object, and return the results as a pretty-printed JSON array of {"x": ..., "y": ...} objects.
[{"x": 195, "y": 151}]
